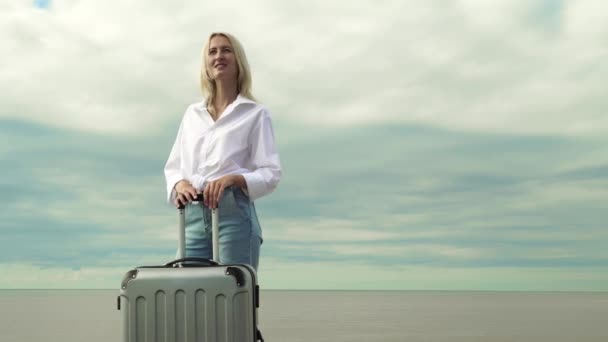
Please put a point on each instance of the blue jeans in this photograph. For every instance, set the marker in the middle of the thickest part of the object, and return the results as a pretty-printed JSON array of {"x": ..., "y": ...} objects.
[{"x": 240, "y": 234}]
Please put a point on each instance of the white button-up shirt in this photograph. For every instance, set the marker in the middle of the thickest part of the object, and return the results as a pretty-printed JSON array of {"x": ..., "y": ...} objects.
[{"x": 241, "y": 142}]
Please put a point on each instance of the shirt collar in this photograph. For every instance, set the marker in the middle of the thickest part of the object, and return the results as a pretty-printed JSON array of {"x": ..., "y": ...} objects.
[{"x": 240, "y": 99}]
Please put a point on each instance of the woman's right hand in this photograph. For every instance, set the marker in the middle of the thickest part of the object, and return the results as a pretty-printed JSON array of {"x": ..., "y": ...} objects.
[{"x": 184, "y": 193}]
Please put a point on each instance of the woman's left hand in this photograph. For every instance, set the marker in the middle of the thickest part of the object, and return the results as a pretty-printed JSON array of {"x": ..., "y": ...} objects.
[{"x": 214, "y": 190}]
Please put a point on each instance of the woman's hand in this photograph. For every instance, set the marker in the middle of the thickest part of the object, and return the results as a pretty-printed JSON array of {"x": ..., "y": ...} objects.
[
  {"x": 214, "y": 190},
  {"x": 184, "y": 193}
]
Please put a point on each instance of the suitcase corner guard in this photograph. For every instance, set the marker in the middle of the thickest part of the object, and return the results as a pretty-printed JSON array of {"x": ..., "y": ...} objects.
[{"x": 132, "y": 274}]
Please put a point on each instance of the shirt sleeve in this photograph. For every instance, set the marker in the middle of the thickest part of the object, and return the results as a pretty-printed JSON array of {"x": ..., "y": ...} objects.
[
  {"x": 173, "y": 172},
  {"x": 266, "y": 172}
]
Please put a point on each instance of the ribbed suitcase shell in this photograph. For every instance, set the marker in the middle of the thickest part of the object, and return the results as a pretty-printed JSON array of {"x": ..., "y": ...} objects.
[{"x": 190, "y": 304}]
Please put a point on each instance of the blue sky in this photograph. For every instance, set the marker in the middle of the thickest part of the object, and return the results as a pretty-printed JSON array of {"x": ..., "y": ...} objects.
[
  {"x": 44, "y": 4},
  {"x": 435, "y": 146}
]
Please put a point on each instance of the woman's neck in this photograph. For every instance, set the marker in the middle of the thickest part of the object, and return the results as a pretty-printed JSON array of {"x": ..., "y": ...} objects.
[{"x": 226, "y": 93}]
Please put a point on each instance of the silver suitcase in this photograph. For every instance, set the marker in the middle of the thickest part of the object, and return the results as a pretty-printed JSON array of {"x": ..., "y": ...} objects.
[{"x": 190, "y": 299}]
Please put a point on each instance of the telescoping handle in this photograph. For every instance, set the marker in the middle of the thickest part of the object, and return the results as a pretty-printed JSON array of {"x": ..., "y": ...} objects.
[
  {"x": 215, "y": 218},
  {"x": 215, "y": 233}
]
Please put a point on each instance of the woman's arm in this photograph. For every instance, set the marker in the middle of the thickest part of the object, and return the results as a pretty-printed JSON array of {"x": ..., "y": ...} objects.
[
  {"x": 172, "y": 170},
  {"x": 265, "y": 159}
]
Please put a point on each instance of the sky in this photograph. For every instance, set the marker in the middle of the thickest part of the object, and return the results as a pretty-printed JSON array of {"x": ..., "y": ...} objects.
[{"x": 425, "y": 145}]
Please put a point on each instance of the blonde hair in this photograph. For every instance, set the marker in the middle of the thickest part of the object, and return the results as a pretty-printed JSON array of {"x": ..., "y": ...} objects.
[{"x": 208, "y": 86}]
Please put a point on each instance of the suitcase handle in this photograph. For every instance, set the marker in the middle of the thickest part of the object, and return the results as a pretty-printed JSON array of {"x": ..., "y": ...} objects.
[
  {"x": 204, "y": 261},
  {"x": 215, "y": 218},
  {"x": 198, "y": 198}
]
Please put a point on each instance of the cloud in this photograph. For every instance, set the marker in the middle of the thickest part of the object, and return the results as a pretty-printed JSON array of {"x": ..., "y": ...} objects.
[
  {"x": 410, "y": 195},
  {"x": 420, "y": 196},
  {"x": 501, "y": 67},
  {"x": 33, "y": 277},
  {"x": 277, "y": 274},
  {"x": 73, "y": 199},
  {"x": 93, "y": 68},
  {"x": 424, "y": 137}
]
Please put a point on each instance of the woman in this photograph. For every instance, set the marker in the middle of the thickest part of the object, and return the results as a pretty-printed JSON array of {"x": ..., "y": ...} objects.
[{"x": 224, "y": 149}]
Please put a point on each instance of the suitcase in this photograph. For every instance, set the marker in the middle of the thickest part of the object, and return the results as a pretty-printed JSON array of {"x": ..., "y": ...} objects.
[{"x": 190, "y": 299}]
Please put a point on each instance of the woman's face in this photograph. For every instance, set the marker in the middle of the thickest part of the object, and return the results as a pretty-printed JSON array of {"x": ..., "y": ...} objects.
[{"x": 221, "y": 62}]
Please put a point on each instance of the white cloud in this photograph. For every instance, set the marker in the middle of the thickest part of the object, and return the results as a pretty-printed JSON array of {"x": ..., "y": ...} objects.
[
  {"x": 277, "y": 274},
  {"x": 26, "y": 276},
  {"x": 325, "y": 230},
  {"x": 129, "y": 67},
  {"x": 404, "y": 252},
  {"x": 92, "y": 67},
  {"x": 586, "y": 20}
]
